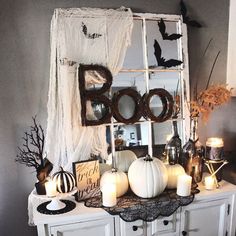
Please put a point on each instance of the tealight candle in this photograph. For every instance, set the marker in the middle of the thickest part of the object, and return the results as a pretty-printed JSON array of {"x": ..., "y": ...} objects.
[
  {"x": 109, "y": 195},
  {"x": 184, "y": 183},
  {"x": 51, "y": 188},
  {"x": 209, "y": 183}
]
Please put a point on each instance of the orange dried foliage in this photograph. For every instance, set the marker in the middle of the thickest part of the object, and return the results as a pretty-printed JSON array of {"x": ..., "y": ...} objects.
[{"x": 208, "y": 99}]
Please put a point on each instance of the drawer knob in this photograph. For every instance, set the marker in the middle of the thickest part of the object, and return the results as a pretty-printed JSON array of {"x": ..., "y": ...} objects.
[
  {"x": 165, "y": 222},
  {"x": 135, "y": 227},
  {"x": 184, "y": 233}
]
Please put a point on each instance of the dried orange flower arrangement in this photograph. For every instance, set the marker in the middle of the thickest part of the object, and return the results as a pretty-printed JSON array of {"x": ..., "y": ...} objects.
[
  {"x": 208, "y": 99},
  {"x": 213, "y": 96}
]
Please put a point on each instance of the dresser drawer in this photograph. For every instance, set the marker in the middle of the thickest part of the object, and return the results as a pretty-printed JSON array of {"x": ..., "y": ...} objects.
[
  {"x": 165, "y": 225},
  {"x": 136, "y": 228},
  {"x": 99, "y": 227}
]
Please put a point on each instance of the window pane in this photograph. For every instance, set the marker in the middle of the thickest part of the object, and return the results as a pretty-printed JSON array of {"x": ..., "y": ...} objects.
[
  {"x": 134, "y": 54},
  {"x": 169, "y": 48}
]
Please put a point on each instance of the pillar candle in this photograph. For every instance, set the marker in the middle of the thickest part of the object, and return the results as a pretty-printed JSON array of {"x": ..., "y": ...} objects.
[
  {"x": 215, "y": 148},
  {"x": 184, "y": 185},
  {"x": 109, "y": 195},
  {"x": 51, "y": 188},
  {"x": 209, "y": 183}
]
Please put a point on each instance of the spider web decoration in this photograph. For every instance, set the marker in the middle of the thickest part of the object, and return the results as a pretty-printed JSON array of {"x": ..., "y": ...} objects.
[{"x": 131, "y": 207}]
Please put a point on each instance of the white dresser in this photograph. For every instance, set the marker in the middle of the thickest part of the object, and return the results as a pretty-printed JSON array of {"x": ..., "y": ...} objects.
[{"x": 211, "y": 213}]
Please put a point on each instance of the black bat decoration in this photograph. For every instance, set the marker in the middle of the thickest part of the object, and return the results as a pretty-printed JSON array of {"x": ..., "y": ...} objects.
[
  {"x": 88, "y": 35},
  {"x": 161, "y": 61},
  {"x": 186, "y": 18},
  {"x": 166, "y": 36}
]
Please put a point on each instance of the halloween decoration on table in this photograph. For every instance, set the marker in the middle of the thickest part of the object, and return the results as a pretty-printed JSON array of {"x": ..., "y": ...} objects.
[
  {"x": 57, "y": 204},
  {"x": 193, "y": 153},
  {"x": 167, "y": 105},
  {"x": 87, "y": 176},
  {"x": 123, "y": 159},
  {"x": 201, "y": 106},
  {"x": 186, "y": 18},
  {"x": 131, "y": 207},
  {"x": 173, "y": 147},
  {"x": 213, "y": 96},
  {"x": 117, "y": 177},
  {"x": 173, "y": 172},
  {"x": 208, "y": 100},
  {"x": 161, "y": 61},
  {"x": 136, "y": 97},
  {"x": 147, "y": 177},
  {"x": 32, "y": 155},
  {"x": 65, "y": 181},
  {"x": 89, "y": 35},
  {"x": 97, "y": 95},
  {"x": 164, "y": 34}
]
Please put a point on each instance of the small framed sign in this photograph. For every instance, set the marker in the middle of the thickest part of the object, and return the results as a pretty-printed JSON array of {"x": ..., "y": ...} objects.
[{"x": 87, "y": 178}]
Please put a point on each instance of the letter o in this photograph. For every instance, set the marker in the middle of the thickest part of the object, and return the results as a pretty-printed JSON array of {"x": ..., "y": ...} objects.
[
  {"x": 138, "y": 105},
  {"x": 167, "y": 105}
]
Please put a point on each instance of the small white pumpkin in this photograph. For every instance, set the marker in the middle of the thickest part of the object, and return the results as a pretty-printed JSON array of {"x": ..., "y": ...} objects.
[
  {"x": 118, "y": 177},
  {"x": 173, "y": 172},
  {"x": 64, "y": 180},
  {"x": 123, "y": 159},
  {"x": 147, "y": 177}
]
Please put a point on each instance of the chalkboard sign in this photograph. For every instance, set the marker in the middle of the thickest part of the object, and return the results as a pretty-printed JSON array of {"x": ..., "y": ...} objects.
[{"x": 87, "y": 178}]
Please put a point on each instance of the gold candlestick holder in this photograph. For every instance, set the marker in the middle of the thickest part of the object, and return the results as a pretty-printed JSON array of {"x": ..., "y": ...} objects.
[{"x": 210, "y": 166}]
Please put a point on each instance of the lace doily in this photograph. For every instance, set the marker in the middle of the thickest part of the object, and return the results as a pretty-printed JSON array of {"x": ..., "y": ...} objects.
[
  {"x": 42, "y": 208},
  {"x": 131, "y": 207}
]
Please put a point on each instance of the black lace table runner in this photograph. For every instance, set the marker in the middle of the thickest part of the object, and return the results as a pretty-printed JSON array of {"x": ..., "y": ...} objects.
[{"x": 131, "y": 207}]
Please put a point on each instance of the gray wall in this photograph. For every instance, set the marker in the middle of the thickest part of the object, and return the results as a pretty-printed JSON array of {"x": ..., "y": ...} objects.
[{"x": 24, "y": 73}]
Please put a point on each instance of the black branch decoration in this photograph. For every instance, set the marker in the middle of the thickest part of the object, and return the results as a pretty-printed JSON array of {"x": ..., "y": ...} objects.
[
  {"x": 161, "y": 61},
  {"x": 164, "y": 34},
  {"x": 89, "y": 35},
  {"x": 186, "y": 19},
  {"x": 32, "y": 153}
]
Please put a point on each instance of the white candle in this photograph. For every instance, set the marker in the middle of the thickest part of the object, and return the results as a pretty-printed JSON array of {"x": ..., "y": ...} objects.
[
  {"x": 109, "y": 195},
  {"x": 51, "y": 188},
  {"x": 209, "y": 183},
  {"x": 215, "y": 142},
  {"x": 184, "y": 183}
]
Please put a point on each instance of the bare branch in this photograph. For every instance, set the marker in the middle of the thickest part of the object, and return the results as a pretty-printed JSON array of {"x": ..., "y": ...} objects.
[{"x": 31, "y": 154}]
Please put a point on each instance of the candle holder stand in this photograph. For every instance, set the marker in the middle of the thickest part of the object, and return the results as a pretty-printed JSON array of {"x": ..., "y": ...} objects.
[
  {"x": 56, "y": 204},
  {"x": 210, "y": 166}
]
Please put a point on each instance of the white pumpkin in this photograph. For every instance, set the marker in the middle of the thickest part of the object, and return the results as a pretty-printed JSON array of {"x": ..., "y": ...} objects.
[
  {"x": 173, "y": 172},
  {"x": 118, "y": 177},
  {"x": 147, "y": 177},
  {"x": 123, "y": 159}
]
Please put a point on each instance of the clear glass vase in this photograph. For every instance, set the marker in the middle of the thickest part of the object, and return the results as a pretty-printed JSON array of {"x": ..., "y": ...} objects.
[{"x": 193, "y": 153}]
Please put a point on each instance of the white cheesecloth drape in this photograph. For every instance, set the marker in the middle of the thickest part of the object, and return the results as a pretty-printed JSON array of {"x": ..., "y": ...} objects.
[{"x": 88, "y": 36}]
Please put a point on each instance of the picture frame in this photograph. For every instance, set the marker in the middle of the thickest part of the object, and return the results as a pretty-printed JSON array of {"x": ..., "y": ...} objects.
[{"x": 87, "y": 178}]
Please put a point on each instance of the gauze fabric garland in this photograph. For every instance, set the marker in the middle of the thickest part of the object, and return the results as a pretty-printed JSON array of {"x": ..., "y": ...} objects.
[{"x": 88, "y": 36}]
